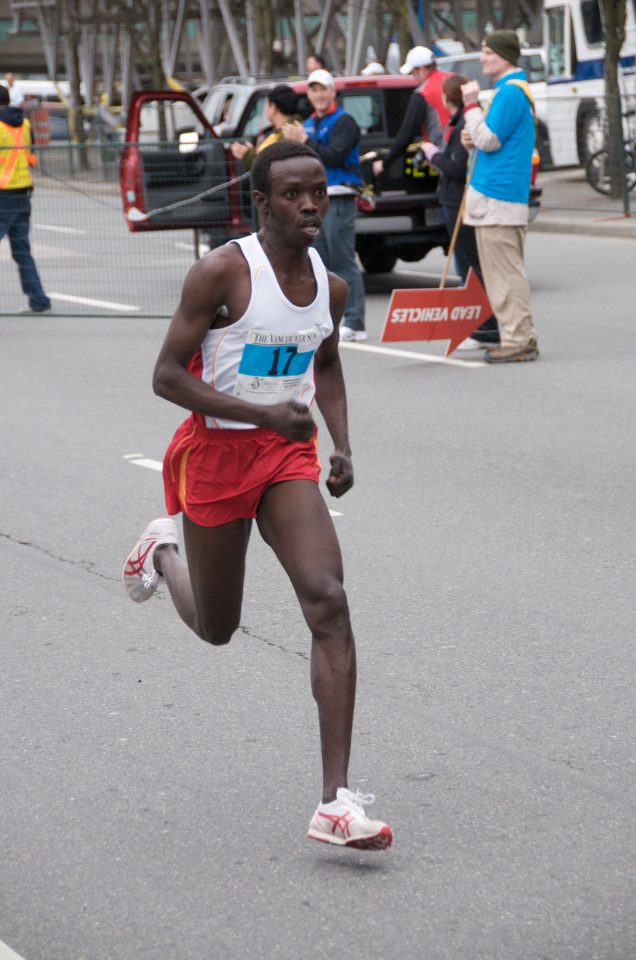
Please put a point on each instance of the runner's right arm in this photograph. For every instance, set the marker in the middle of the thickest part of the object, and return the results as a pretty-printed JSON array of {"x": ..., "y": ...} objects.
[{"x": 219, "y": 279}]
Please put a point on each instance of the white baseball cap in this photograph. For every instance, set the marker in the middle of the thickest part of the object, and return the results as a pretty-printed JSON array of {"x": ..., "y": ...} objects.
[
  {"x": 417, "y": 57},
  {"x": 323, "y": 77},
  {"x": 372, "y": 69}
]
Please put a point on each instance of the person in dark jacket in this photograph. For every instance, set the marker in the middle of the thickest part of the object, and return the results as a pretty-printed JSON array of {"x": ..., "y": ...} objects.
[
  {"x": 452, "y": 163},
  {"x": 425, "y": 114}
]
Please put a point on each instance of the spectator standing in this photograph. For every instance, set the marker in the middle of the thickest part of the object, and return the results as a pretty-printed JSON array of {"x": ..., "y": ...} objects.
[
  {"x": 426, "y": 114},
  {"x": 16, "y": 186},
  {"x": 335, "y": 137},
  {"x": 280, "y": 108},
  {"x": 452, "y": 162},
  {"x": 498, "y": 194}
]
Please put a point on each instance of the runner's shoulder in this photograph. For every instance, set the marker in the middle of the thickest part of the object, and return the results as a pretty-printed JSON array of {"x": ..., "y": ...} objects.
[
  {"x": 225, "y": 264},
  {"x": 338, "y": 288}
]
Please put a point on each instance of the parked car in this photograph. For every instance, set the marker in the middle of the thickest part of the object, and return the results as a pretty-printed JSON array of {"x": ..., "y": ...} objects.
[{"x": 168, "y": 184}]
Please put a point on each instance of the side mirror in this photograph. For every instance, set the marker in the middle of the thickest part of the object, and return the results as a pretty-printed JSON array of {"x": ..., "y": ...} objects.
[{"x": 188, "y": 141}]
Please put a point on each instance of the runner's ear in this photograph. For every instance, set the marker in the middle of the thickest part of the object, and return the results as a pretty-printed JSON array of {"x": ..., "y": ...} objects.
[{"x": 260, "y": 199}]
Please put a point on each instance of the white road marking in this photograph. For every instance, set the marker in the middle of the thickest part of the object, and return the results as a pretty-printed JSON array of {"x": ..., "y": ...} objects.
[
  {"x": 185, "y": 246},
  {"x": 141, "y": 461},
  {"x": 411, "y": 355},
  {"x": 107, "y": 304},
  {"x": 53, "y": 229},
  {"x": 6, "y": 953},
  {"x": 145, "y": 462}
]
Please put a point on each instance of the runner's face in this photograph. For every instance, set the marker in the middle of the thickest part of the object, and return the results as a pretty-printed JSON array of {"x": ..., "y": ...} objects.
[{"x": 297, "y": 201}]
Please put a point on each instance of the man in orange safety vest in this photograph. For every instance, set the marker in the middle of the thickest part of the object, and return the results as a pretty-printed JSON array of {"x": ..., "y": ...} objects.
[{"x": 16, "y": 185}]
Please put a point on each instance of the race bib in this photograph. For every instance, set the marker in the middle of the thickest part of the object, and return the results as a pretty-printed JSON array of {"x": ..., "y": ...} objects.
[{"x": 274, "y": 366}]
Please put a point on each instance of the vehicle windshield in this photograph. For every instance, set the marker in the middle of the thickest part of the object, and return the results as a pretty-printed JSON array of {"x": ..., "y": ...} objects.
[{"x": 532, "y": 63}]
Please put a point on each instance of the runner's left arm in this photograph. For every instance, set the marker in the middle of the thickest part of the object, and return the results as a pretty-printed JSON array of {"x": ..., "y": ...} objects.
[{"x": 331, "y": 395}]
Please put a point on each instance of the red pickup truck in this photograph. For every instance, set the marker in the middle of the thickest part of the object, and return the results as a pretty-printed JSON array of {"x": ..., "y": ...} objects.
[{"x": 176, "y": 172}]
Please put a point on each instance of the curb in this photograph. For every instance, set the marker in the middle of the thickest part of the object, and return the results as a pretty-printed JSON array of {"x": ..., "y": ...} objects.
[{"x": 585, "y": 228}]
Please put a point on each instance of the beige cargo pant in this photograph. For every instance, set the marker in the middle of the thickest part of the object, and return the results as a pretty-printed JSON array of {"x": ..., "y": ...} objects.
[{"x": 501, "y": 255}]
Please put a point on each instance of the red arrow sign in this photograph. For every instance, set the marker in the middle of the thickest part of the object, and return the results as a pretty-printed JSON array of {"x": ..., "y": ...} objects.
[{"x": 447, "y": 314}]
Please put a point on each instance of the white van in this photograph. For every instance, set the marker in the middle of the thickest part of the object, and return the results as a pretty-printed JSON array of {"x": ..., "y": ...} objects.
[{"x": 573, "y": 106}]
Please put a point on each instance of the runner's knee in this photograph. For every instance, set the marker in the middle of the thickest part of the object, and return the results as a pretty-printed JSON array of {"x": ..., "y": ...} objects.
[
  {"x": 217, "y": 632},
  {"x": 326, "y": 609}
]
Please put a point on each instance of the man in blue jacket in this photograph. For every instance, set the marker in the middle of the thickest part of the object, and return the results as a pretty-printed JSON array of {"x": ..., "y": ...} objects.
[
  {"x": 497, "y": 198},
  {"x": 335, "y": 137}
]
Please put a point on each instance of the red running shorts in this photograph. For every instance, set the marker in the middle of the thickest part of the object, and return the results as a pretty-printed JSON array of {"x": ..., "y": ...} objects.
[{"x": 215, "y": 476}]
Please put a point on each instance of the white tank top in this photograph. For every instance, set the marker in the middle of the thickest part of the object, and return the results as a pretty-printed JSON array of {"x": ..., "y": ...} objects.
[{"x": 267, "y": 356}]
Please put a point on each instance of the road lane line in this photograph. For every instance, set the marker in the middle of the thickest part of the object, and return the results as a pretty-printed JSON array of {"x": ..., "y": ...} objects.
[
  {"x": 142, "y": 461},
  {"x": 107, "y": 304},
  {"x": 145, "y": 462},
  {"x": 53, "y": 229},
  {"x": 6, "y": 953},
  {"x": 411, "y": 355}
]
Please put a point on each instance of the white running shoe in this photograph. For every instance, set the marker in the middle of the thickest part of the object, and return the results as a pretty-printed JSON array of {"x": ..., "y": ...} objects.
[
  {"x": 470, "y": 344},
  {"x": 139, "y": 576},
  {"x": 357, "y": 336},
  {"x": 344, "y": 822}
]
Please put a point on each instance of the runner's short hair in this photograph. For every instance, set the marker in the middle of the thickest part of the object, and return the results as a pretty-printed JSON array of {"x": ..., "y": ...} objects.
[
  {"x": 452, "y": 89},
  {"x": 282, "y": 150},
  {"x": 284, "y": 98}
]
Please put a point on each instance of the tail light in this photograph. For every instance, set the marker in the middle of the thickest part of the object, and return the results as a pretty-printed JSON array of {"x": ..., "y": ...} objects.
[{"x": 536, "y": 160}]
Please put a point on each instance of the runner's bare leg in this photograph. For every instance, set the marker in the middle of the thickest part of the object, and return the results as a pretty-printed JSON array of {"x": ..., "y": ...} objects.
[
  {"x": 208, "y": 591},
  {"x": 294, "y": 520}
]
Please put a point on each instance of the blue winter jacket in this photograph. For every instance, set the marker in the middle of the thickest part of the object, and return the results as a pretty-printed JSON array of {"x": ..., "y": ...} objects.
[{"x": 505, "y": 173}]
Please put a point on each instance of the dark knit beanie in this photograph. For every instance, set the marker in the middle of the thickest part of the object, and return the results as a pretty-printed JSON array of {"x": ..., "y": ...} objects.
[{"x": 505, "y": 43}]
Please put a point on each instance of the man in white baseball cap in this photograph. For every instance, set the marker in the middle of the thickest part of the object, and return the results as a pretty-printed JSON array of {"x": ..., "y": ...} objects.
[
  {"x": 417, "y": 57},
  {"x": 322, "y": 77},
  {"x": 335, "y": 136},
  {"x": 426, "y": 114}
]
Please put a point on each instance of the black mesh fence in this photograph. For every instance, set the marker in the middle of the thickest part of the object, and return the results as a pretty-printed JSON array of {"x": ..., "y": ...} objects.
[{"x": 115, "y": 227}]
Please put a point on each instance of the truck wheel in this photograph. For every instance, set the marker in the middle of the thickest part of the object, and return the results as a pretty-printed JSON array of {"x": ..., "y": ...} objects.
[{"x": 377, "y": 261}]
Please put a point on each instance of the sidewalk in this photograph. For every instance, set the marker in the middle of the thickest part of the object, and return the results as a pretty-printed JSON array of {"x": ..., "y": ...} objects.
[{"x": 570, "y": 205}]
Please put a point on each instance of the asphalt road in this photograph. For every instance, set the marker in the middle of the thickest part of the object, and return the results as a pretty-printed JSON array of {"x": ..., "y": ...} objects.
[{"x": 155, "y": 792}]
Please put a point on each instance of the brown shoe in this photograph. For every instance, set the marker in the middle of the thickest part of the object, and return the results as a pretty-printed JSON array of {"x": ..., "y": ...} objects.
[{"x": 513, "y": 354}]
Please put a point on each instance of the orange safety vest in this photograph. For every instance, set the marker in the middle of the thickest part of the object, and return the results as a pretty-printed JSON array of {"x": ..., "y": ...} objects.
[{"x": 10, "y": 157}]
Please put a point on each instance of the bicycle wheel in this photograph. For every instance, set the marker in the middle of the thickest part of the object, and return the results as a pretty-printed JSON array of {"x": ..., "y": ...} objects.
[
  {"x": 630, "y": 167},
  {"x": 597, "y": 172}
]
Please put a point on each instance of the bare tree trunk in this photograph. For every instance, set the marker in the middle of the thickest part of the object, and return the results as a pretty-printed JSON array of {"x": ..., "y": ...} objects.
[
  {"x": 510, "y": 14},
  {"x": 265, "y": 32},
  {"x": 615, "y": 15},
  {"x": 399, "y": 14},
  {"x": 71, "y": 26}
]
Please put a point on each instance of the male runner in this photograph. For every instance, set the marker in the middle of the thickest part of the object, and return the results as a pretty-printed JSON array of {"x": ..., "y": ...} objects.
[{"x": 249, "y": 374}]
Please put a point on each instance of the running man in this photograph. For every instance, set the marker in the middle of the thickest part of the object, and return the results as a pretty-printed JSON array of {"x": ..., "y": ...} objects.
[{"x": 249, "y": 373}]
